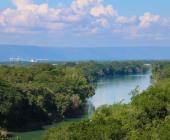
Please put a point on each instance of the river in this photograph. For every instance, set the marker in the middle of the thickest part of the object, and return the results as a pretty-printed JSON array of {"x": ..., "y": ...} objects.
[
  {"x": 116, "y": 89},
  {"x": 108, "y": 91}
]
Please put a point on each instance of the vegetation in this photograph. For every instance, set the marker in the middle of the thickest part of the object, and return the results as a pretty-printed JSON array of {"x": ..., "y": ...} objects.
[
  {"x": 34, "y": 95},
  {"x": 161, "y": 70},
  {"x": 96, "y": 70},
  {"x": 38, "y": 94},
  {"x": 146, "y": 117}
]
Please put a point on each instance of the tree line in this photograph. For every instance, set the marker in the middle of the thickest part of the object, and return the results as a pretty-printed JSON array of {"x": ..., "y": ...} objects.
[
  {"x": 146, "y": 117},
  {"x": 39, "y": 94}
]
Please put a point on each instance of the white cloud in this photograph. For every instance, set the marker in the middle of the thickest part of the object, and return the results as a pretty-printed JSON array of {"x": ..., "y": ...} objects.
[
  {"x": 21, "y": 4},
  {"x": 166, "y": 21},
  {"x": 126, "y": 20},
  {"x": 55, "y": 26},
  {"x": 2, "y": 20},
  {"x": 147, "y": 19},
  {"x": 28, "y": 16},
  {"x": 103, "y": 22},
  {"x": 101, "y": 10},
  {"x": 80, "y": 4},
  {"x": 121, "y": 20},
  {"x": 80, "y": 16}
]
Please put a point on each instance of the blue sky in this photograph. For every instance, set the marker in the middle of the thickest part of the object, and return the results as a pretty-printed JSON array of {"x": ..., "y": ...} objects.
[
  {"x": 125, "y": 7},
  {"x": 85, "y": 23},
  {"x": 138, "y": 7}
]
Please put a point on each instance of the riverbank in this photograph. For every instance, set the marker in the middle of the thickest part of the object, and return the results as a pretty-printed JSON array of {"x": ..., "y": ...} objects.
[
  {"x": 46, "y": 93},
  {"x": 107, "y": 91},
  {"x": 37, "y": 134},
  {"x": 146, "y": 116}
]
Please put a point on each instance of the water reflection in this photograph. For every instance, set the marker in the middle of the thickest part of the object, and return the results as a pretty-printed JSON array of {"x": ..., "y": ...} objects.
[{"x": 116, "y": 89}]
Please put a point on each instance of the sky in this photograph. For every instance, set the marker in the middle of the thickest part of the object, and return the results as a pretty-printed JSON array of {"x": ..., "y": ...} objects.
[{"x": 85, "y": 23}]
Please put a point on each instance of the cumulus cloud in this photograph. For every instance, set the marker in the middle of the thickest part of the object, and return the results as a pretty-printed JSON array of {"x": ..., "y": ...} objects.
[
  {"x": 126, "y": 20},
  {"x": 2, "y": 20},
  {"x": 28, "y": 15},
  {"x": 80, "y": 16},
  {"x": 103, "y": 22},
  {"x": 78, "y": 5},
  {"x": 103, "y": 10},
  {"x": 147, "y": 19}
]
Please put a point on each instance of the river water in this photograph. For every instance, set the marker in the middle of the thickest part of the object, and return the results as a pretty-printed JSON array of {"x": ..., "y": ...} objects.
[
  {"x": 108, "y": 91},
  {"x": 116, "y": 89}
]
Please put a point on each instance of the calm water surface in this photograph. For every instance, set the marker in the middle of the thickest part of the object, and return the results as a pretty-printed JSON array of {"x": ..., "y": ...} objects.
[
  {"x": 117, "y": 89},
  {"x": 108, "y": 91}
]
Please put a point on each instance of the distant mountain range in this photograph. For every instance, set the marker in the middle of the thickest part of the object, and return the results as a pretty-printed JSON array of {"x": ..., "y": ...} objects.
[{"x": 73, "y": 54}]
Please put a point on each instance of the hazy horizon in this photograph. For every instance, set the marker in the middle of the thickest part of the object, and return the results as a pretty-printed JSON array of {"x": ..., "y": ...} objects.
[
  {"x": 85, "y": 53},
  {"x": 85, "y": 29}
]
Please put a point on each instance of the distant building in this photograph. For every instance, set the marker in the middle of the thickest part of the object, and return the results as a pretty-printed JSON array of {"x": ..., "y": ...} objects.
[
  {"x": 147, "y": 64},
  {"x": 33, "y": 60}
]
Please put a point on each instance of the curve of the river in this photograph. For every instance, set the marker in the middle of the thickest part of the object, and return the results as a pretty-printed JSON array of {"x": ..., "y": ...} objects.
[
  {"x": 116, "y": 89},
  {"x": 108, "y": 91}
]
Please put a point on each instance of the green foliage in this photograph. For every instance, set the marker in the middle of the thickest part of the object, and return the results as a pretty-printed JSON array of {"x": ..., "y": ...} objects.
[
  {"x": 161, "y": 70},
  {"x": 146, "y": 117},
  {"x": 34, "y": 95},
  {"x": 85, "y": 130},
  {"x": 96, "y": 70}
]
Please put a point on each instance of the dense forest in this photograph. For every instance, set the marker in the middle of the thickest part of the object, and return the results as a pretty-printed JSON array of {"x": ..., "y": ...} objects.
[
  {"x": 39, "y": 94},
  {"x": 146, "y": 117},
  {"x": 93, "y": 71},
  {"x": 161, "y": 70}
]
